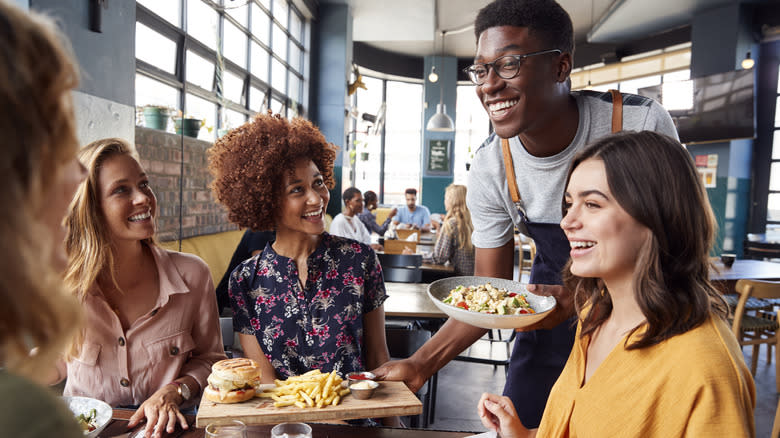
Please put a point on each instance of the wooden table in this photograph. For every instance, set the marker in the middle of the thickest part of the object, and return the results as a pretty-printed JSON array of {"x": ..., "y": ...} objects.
[
  {"x": 750, "y": 269},
  {"x": 436, "y": 268},
  {"x": 410, "y": 300},
  {"x": 725, "y": 279},
  {"x": 118, "y": 427}
]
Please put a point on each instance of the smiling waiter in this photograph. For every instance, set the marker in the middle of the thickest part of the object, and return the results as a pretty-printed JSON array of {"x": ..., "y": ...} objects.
[{"x": 521, "y": 69}]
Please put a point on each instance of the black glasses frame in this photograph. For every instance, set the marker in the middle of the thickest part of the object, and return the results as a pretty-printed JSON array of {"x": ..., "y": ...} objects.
[{"x": 488, "y": 65}]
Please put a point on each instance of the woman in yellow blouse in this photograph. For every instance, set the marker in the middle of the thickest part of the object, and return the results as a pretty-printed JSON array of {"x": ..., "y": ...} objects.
[{"x": 653, "y": 355}]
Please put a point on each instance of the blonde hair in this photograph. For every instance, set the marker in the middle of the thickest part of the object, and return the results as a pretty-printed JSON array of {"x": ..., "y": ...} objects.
[
  {"x": 461, "y": 215},
  {"x": 37, "y": 73},
  {"x": 88, "y": 243}
]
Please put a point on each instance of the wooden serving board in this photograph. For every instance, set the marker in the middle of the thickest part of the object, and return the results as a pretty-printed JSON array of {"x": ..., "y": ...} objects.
[{"x": 390, "y": 399}]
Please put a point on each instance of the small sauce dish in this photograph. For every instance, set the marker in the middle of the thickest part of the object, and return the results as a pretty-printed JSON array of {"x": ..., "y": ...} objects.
[
  {"x": 359, "y": 376},
  {"x": 363, "y": 389}
]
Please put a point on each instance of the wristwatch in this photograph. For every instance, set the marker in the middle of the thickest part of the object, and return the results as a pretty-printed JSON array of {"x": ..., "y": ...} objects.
[{"x": 183, "y": 390}]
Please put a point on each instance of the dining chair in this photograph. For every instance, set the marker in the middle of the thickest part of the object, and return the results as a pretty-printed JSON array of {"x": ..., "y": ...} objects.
[
  {"x": 760, "y": 250},
  {"x": 401, "y": 268},
  {"x": 402, "y": 343},
  {"x": 758, "y": 328},
  {"x": 776, "y": 423},
  {"x": 228, "y": 336},
  {"x": 482, "y": 350}
]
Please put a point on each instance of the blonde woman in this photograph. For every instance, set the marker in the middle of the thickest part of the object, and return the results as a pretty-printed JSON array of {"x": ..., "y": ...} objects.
[
  {"x": 453, "y": 243},
  {"x": 39, "y": 173},
  {"x": 152, "y": 330}
]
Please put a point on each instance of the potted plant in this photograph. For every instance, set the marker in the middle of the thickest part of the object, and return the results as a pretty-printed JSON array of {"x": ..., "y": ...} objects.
[
  {"x": 189, "y": 126},
  {"x": 155, "y": 116}
]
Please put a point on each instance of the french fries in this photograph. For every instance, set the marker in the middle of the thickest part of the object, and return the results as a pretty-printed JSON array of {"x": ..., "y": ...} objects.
[{"x": 312, "y": 389}]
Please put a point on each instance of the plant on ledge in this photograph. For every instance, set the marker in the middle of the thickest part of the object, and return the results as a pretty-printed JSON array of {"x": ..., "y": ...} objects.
[{"x": 154, "y": 116}]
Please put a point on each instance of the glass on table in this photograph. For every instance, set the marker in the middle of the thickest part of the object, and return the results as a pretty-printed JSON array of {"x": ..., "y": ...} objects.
[
  {"x": 291, "y": 430},
  {"x": 232, "y": 429}
]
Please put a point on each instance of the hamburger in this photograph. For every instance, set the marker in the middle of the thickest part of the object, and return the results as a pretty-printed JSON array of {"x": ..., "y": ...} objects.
[{"x": 233, "y": 380}]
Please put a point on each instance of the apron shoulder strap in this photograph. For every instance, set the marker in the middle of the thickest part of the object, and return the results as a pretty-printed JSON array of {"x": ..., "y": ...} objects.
[
  {"x": 509, "y": 166},
  {"x": 617, "y": 111},
  {"x": 617, "y": 126}
]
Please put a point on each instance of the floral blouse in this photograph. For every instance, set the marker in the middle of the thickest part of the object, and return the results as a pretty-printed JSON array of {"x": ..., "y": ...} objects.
[{"x": 319, "y": 326}]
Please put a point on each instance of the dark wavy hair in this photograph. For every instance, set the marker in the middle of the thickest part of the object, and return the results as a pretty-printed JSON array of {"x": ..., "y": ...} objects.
[
  {"x": 545, "y": 19},
  {"x": 654, "y": 179},
  {"x": 369, "y": 197},
  {"x": 250, "y": 162}
]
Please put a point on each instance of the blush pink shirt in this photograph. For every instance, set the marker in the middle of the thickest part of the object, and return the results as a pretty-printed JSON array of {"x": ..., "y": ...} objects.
[{"x": 179, "y": 336}]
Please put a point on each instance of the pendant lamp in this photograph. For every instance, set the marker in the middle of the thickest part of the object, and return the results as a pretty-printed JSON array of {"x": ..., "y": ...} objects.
[
  {"x": 748, "y": 62},
  {"x": 441, "y": 122}
]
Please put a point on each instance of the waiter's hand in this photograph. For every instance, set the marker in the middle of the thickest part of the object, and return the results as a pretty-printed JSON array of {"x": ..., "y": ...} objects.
[
  {"x": 564, "y": 307},
  {"x": 404, "y": 370}
]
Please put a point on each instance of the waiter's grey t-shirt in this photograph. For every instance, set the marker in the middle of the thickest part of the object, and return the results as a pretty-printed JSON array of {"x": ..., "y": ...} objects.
[{"x": 541, "y": 180}]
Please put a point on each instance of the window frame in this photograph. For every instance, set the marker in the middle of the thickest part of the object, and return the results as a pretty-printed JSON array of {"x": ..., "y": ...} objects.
[{"x": 185, "y": 42}]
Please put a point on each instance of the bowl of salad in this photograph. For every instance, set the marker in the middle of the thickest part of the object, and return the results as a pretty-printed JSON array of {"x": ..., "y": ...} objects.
[
  {"x": 491, "y": 303},
  {"x": 92, "y": 415}
]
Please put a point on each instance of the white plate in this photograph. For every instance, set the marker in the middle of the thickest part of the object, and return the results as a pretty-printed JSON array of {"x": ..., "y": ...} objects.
[
  {"x": 82, "y": 405},
  {"x": 542, "y": 305}
]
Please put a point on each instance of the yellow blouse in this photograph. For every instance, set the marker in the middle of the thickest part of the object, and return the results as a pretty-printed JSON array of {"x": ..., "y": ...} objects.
[{"x": 693, "y": 385}]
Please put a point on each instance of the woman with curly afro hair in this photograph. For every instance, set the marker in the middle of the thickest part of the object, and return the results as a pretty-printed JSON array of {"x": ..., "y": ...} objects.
[{"x": 309, "y": 300}]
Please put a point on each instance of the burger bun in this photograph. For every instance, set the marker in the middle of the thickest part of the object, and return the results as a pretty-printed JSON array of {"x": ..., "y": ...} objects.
[{"x": 239, "y": 396}]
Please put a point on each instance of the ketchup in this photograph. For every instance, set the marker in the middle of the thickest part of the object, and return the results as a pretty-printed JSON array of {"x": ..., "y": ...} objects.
[{"x": 358, "y": 377}]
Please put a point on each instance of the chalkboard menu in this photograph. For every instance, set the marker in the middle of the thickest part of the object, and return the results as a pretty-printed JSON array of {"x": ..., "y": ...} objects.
[{"x": 439, "y": 155}]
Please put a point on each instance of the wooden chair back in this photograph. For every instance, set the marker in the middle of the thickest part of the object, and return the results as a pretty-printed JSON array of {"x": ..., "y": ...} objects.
[
  {"x": 395, "y": 246},
  {"x": 760, "y": 327},
  {"x": 404, "y": 234}
]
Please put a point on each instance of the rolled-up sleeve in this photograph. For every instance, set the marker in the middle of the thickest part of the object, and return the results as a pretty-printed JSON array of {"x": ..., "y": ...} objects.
[{"x": 206, "y": 334}]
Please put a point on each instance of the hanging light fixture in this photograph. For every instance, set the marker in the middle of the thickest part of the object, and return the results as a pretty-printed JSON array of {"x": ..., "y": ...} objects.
[
  {"x": 433, "y": 77},
  {"x": 748, "y": 62},
  {"x": 440, "y": 122}
]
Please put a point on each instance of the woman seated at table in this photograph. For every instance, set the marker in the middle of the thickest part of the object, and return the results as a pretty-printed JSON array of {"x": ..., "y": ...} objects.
[
  {"x": 152, "y": 330},
  {"x": 40, "y": 174},
  {"x": 453, "y": 241},
  {"x": 369, "y": 218},
  {"x": 310, "y": 300},
  {"x": 347, "y": 224},
  {"x": 653, "y": 355}
]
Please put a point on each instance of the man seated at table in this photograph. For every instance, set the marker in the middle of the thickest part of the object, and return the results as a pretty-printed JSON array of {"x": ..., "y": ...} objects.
[
  {"x": 413, "y": 216},
  {"x": 346, "y": 224}
]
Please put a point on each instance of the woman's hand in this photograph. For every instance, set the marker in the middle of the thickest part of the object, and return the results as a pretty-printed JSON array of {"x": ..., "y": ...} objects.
[
  {"x": 161, "y": 411},
  {"x": 498, "y": 414}
]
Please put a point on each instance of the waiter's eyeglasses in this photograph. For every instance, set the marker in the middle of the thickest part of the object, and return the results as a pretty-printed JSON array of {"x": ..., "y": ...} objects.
[{"x": 506, "y": 67}]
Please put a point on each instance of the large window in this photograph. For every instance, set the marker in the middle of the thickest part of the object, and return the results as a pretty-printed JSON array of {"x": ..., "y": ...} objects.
[
  {"x": 472, "y": 127},
  {"x": 392, "y": 152},
  {"x": 221, "y": 60},
  {"x": 773, "y": 200}
]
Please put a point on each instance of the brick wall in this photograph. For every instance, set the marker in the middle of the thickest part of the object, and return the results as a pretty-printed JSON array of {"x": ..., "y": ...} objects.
[{"x": 161, "y": 156}]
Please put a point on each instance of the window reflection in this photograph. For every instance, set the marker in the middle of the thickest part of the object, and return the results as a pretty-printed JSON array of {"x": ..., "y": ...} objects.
[
  {"x": 234, "y": 45},
  {"x": 154, "y": 48},
  {"x": 202, "y": 23},
  {"x": 168, "y": 10},
  {"x": 200, "y": 71},
  {"x": 280, "y": 12},
  {"x": 261, "y": 24},
  {"x": 202, "y": 109},
  {"x": 260, "y": 60}
]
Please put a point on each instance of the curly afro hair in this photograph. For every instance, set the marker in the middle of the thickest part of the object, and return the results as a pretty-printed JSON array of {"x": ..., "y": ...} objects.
[
  {"x": 250, "y": 162},
  {"x": 545, "y": 19}
]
